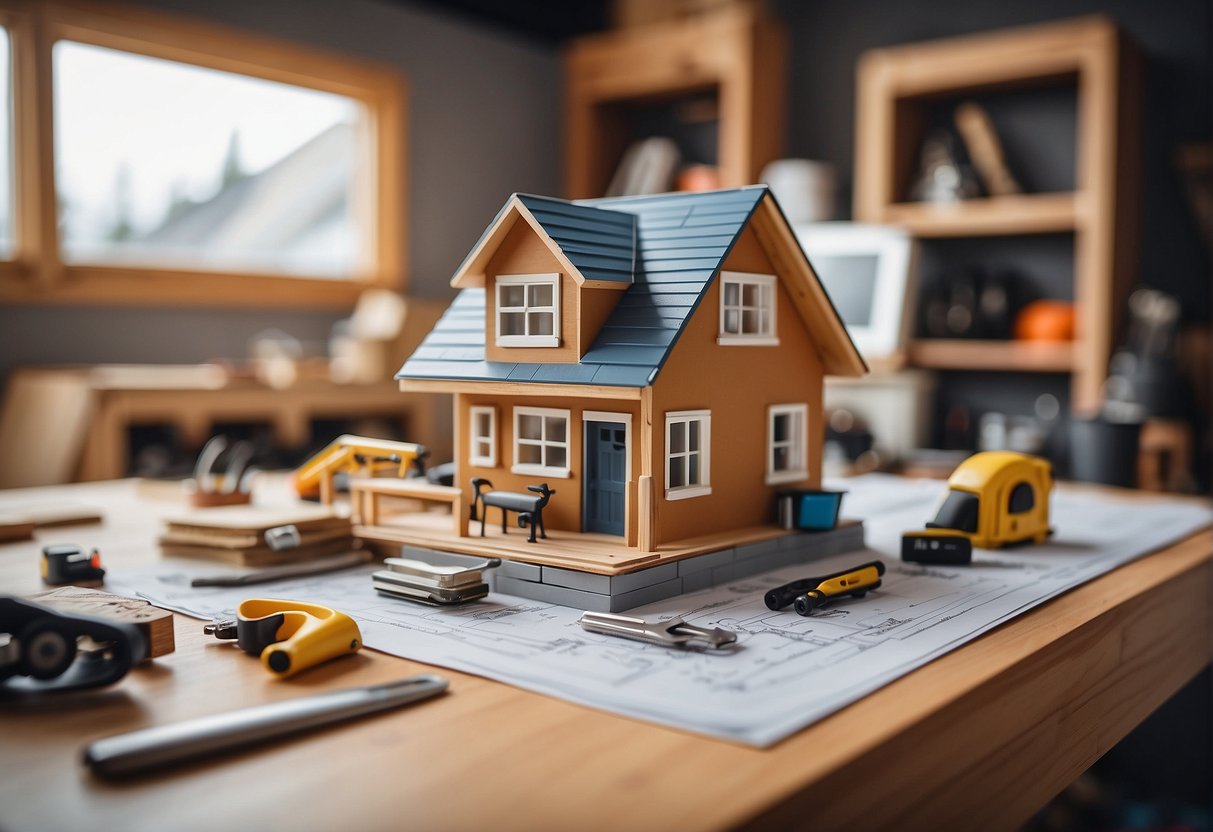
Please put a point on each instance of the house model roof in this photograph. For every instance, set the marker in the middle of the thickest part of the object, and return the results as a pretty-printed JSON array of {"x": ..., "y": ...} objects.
[{"x": 667, "y": 249}]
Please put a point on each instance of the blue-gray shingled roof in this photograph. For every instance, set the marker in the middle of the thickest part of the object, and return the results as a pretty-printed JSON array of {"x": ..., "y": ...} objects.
[
  {"x": 601, "y": 244},
  {"x": 677, "y": 242}
]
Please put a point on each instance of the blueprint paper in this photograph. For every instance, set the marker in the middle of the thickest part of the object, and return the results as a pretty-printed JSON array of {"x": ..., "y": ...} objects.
[{"x": 786, "y": 671}]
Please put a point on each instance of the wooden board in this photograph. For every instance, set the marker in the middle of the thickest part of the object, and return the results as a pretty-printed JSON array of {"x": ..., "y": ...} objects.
[
  {"x": 257, "y": 556},
  {"x": 255, "y": 520},
  {"x": 49, "y": 515},
  {"x": 199, "y": 536},
  {"x": 16, "y": 528},
  {"x": 18, "y": 522},
  {"x": 155, "y": 623}
]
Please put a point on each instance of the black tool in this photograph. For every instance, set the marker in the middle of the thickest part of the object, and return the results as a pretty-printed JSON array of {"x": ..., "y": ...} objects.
[
  {"x": 42, "y": 649},
  {"x": 938, "y": 550},
  {"x": 808, "y": 594},
  {"x": 67, "y": 563}
]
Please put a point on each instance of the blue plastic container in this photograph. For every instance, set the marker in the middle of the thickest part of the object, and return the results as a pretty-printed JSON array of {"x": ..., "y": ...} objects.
[{"x": 809, "y": 510}]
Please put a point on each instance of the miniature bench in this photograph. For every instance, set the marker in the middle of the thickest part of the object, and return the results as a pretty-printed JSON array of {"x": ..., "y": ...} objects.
[
  {"x": 529, "y": 508},
  {"x": 365, "y": 494}
]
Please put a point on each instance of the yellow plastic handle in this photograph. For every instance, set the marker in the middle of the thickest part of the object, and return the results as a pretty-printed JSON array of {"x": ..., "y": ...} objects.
[
  {"x": 867, "y": 576},
  {"x": 309, "y": 634}
]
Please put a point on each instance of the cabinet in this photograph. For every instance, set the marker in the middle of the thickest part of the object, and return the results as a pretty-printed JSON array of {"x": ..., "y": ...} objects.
[
  {"x": 731, "y": 64},
  {"x": 899, "y": 88}
]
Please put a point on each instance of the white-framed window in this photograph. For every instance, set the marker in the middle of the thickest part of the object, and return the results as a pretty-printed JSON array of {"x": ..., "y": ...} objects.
[
  {"x": 482, "y": 450},
  {"x": 528, "y": 310},
  {"x": 787, "y": 451},
  {"x": 688, "y": 441},
  {"x": 747, "y": 309},
  {"x": 541, "y": 441}
]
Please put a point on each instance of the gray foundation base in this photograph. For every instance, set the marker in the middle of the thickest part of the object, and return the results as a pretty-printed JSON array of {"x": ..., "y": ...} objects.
[{"x": 615, "y": 593}]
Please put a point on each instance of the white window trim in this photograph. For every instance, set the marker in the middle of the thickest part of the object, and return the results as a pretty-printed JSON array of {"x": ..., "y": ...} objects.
[
  {"x": 800, "y": 443},
  {"x": 766, "y": 339},
  {"x": 704, "y": 486},
  {"x": 531, "y": 469},
  {"x": 489, "y": 461},
  {"x": 624, "y": 419},
  {"x": 552, "y": 340}
]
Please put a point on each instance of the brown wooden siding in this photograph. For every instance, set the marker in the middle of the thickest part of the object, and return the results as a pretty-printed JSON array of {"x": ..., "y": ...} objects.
[
  {"x": 564, "y": 510},
  {"x": 737, "y": 384},
  {"x": 583, "y": 309}
]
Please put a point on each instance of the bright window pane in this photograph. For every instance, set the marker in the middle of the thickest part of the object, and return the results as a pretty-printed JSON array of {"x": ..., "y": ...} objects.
[
  {"x": 6, "y": 149},
  {"x": 162, "y": 163}
]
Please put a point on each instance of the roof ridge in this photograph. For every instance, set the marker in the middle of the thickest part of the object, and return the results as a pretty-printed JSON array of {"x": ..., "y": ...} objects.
[{"x": 593, "y": 202}]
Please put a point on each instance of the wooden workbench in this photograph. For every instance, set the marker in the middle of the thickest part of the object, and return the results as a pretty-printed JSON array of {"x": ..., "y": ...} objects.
[
  {"x": 978, "y": 739},
  {"x": 63, "y": 424}
]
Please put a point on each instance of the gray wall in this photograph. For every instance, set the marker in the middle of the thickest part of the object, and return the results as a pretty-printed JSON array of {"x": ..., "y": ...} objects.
[{"x": 483, "y": 121}]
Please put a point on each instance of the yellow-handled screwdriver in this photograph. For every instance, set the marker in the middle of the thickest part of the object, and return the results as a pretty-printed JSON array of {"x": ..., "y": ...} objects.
[{"x": 808, "y": 594}]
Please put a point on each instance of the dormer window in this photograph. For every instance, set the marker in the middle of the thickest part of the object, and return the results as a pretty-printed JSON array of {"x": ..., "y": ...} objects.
[
  {"x": 747, "y": 309},
  {"x": 528, "y": 310}
]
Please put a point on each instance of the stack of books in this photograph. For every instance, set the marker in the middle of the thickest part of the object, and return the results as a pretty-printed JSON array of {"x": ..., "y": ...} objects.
[{"x": 255, "y": 536}]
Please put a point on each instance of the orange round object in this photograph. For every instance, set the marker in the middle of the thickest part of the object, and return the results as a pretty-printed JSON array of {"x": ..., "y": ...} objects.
[
  {"x": 1046, "y": 320},
  {"x": 699, "y": 178}
]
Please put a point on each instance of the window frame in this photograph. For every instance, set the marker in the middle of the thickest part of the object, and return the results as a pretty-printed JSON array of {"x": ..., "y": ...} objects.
[
  {"x": 527, "y": 280},
  {"x": 703, "y": 487},
  {"x": 542, "y": 470},
  {"x": 474, "y": 439},
  {"x": 799, "y": 412},
  {"x": 37, "y": 272},
  {"x": 768, "y": 300}
]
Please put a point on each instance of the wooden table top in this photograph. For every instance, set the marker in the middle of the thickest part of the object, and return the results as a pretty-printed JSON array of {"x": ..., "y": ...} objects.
[{"x": 980, "y": 738}]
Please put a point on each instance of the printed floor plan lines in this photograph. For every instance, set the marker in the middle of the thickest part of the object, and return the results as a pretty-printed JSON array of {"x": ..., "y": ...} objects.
[{"x": 786, "y": 670}]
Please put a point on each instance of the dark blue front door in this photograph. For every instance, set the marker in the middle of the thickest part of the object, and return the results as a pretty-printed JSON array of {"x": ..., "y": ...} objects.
[{"x": 606, "y": 470}]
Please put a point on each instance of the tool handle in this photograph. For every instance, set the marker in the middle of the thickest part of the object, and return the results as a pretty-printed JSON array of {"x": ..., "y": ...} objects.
[
  {"x": 782, "y": 596},
  {"x": 151, "y": 748}
]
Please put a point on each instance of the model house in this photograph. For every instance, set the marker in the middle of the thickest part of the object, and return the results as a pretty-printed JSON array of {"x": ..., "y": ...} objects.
[{"x": 658, "y": 361}]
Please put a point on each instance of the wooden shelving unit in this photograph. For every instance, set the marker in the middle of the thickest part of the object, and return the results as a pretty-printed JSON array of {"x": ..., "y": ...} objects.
[
  {"x": 736, "y": 56},
  {"x": 897, "y": 89},
  {"x": 987, "y": 216},
  {"x": 1017, "y": 356}
]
